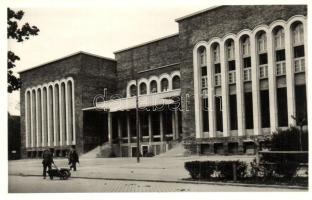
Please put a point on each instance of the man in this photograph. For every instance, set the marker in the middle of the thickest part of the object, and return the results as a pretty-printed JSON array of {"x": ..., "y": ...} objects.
[
  {"x": 47, "y": 160},
  {"x": 73, "y": 158}
]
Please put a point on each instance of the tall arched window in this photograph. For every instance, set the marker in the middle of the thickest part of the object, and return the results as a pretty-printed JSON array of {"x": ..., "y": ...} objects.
[
  {"x": 143, "y": 89},
  {"x": 298, "y": 46},
  {"x": 176, "y": 82},
  {"x": 262, "y": 54},
  {"x": 153, "y": 86},
  {"x": 230, "y": 49},
  {"x": 132, "y": 90},
  {"x": 245, "y": 50},
  {"x": 164, "y": 83},
  {"x": 261, "y": 42},
  {"x": 297, "y": 34},
  {"x": 215, "y": 49},
  {"x": 279, "y": 46},
  {"x": 279, "y": 38}
]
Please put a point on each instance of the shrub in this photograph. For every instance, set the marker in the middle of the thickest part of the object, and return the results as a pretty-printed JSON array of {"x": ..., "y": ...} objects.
[
  {"x": 226, "y": 169},
  {"x": 193, "y": 168},
  {"x": 205, "y": 169},
  {"x": 289, "y": 140}
]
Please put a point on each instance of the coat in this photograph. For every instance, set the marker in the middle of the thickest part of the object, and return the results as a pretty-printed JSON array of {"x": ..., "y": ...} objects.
[
  {"x": 47, "y": 158},
  {"x": 73, "y": 157}
]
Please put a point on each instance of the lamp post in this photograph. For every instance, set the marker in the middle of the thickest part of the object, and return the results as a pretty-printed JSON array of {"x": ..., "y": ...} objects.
[{"x": 300, "y": 122}]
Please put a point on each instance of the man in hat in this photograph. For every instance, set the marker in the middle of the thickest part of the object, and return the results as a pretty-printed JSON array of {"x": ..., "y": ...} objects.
[
  {"x": 73, "y": 158},
  {"x": 47, "y": 160}
]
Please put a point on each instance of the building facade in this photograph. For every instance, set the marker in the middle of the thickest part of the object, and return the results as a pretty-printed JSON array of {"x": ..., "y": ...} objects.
[{"x": 231, "y": 77}]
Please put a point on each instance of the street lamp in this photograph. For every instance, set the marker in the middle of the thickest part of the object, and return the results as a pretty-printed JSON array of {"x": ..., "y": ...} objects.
[
  {"x": 300, "y": 122},
  {"x": 137, "y": 115}
]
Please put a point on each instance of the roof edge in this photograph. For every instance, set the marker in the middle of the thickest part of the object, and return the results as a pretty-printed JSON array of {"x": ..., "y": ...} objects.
[
  {"x": 64, "y": 57},
  {"x": 197, "y": 13},
  {"x": 145, "y": 43}
]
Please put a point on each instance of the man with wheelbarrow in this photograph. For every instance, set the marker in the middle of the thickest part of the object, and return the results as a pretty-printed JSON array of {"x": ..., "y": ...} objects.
[{"x": 47, "y": 160}]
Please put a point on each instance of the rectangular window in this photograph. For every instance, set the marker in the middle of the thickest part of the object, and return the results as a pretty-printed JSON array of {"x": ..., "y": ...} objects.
[
  {"x": 299, "y": 51},
  {"x": 280, "y": 55},
  {"x": 217, "y": 68},
  {"x": 204, "y": 71},
  {"x": 233, "y": 112},
  {"x": 282, "y": 107},
  {"x": 231, "y": 65},
  {"x": 248, "y": 110},
  {"x": 205, "y": 115},
  {"x": 247, "y": 62},
  {"x": 265, "y": 109},
  {"x": 263, "y": 59}
]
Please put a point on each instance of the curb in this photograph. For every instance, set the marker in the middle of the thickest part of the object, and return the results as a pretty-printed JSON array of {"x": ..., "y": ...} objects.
[{"x": 181, "y": 181}]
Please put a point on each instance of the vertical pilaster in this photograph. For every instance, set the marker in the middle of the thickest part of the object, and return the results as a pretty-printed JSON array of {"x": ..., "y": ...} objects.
[
  {"x": 56, "y": 128},
  {"x": 161, "y": 126},
  {"x": 26, "y": 120},
  {"x": 272, "y": 82},
  {"x": 43, "y": 117},
  {"x": 150, "y": 134},
  {"x": 176, "y": 119},
  {"x": 61, "y": 114},
  {"x": 49, "y": 123},
  {"x": 255, "y": 87},
  {"x": 32, "y": 119},
  {"x": 239, "y": 90},
  {"x": 225, "y": 92},
  {"x": 129, "y": 135},
  {"x": 290, "y": 78},
  {"x": 173, "y": 125},
  {"x": 68, "y": 138},
  {"x": 211, "y": 95}
]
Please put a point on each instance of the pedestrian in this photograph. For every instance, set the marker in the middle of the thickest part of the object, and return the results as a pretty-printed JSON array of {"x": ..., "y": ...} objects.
[
  {"x": 47, "y": 160},
  {"x": 73, "y": 158}
]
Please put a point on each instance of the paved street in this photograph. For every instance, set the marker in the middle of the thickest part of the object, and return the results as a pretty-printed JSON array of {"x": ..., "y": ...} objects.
[
  {"x": 37, "y": 184},
  {"x": 26, "y": 176}
]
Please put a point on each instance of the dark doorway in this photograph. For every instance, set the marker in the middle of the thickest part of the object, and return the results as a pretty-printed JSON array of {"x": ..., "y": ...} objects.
[{"x": 95, "y": 130}]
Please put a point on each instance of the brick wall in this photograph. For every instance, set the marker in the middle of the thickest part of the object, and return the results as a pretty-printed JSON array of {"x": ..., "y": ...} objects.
[{"x": 217, "y": 23}]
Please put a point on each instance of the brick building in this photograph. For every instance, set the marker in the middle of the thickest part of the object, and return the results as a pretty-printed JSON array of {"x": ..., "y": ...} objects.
[{"x": 224, "y": 83}]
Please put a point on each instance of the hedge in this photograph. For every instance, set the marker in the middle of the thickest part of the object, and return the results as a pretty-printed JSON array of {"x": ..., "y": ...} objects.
[{"x": 218, "y": 169}]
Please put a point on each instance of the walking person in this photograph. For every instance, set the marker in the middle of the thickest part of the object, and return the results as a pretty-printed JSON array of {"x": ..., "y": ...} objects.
[
  {"x": 73, "y": 158},
  {"x": 47, "y": 160}
]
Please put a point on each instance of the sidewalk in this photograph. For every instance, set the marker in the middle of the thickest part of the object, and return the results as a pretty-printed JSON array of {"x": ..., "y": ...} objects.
[{"x": 156, "y": 169}]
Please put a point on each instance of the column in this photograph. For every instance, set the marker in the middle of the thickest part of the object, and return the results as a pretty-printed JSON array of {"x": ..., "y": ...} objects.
[
  {"x": 56, "y": 118},
  {"x": 173, "y": 125},
  {"x": 211, "y": 96},
  {"x": 38, "y": 118},
  {"x": 27, "y": 125},
  {"x": 32, "y": 118},
  {"x": 110, "y": 127},
  {"x": 239, "y": 91},
  {"x": 176, "y": 118},
  {"x": 161, "y": 126},
  {"x": 119, "y": 129},
  {"x": 67, "y": 111},
  {"x": 44, "y": 116},
  {"x": 150, "y": 133},
  {"x": 272, "y": 83},
  {"x": 61, "y": 114},
  {"x": 129, "y": 135},
  {"x": 255, "y": 87},
  {"x": 290, "y": 78},
  {"x": 225, "y": 92},
  {"x": 49, "y": 124}
]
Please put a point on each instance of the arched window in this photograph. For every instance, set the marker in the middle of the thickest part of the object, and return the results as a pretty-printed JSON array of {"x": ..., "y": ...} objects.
[
  {"x": 279, "y": 38},
  {"x": 132, "y": 90},
  {"x": 164, "y": 84},
  {"x": 202, "y": 56},
  {"x": 153, "y": 86},
  {"x": 143, "y": 88},
  {"x": 230, "y": 50},
  {"x": 216, "y": 54},
  {"x": 261, "y": 42},
  {"x": 297, "y": 34},
  {"x": 246, "y": 47},
  {"x": 176, "y": 82}
]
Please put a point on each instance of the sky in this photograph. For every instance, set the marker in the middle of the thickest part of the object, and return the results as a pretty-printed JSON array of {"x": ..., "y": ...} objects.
[{"x": 95, "y": 28}]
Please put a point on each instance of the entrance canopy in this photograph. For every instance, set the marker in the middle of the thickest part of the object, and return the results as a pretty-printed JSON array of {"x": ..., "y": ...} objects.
[{"x": 151, "y": 100}]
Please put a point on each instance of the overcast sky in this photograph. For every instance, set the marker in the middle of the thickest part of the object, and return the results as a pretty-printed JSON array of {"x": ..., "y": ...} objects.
[{"x": 99, "y": 29}]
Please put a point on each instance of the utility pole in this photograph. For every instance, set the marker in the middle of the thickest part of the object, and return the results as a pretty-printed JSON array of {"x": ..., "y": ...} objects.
[
  {"x": 137, "y": 115},
  {"x": 137, "y": 120}
]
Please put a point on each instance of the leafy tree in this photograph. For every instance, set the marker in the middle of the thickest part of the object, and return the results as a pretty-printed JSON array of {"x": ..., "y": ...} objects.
[
  {"x": 20, "y": 34},
  {"x": 289, "y": 140}
]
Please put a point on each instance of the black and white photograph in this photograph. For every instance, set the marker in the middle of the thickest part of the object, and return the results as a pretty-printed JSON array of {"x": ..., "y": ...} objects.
[{"x": 165, "y": 97}]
